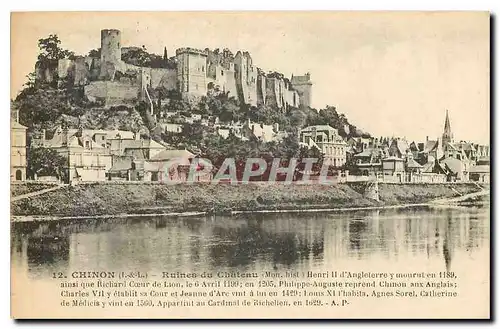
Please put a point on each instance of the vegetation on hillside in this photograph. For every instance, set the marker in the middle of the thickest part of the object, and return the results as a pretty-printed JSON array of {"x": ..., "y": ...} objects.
[
  {"x": 45, "y": 162},
  {"x": 46, "y": 106}
]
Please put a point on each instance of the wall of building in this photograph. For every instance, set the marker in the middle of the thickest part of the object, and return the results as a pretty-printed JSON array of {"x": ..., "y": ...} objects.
[
  {"x": 303, "y": 85},
  {"x": 274, "y": 92},
  {"x": 18, "y": 153},
  {"x": 191, "y": 71},
  {"x": 112, "y": 92},
  {"x": 261, "y": 89},
  {"x": 65, "y": 68},
  {"x": 110, "y": 45},
  {"x": 160, "y": 77},
  {"x": 81, "y": 72},
  {"x": 246, "y": 78}
]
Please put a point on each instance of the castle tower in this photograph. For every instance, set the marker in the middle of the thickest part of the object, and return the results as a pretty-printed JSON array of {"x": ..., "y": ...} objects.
[
  {"x": 246, "y": 78},
  {"x": 447, "y": 134},
  {"x": 303, "y": 86},
  {"x": 192, "y": 71},
  {"x": 111, "y": 52}
]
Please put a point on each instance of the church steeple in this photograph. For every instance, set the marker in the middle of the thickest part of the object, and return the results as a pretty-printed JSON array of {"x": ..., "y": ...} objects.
[{"x": 447, "y": 135}]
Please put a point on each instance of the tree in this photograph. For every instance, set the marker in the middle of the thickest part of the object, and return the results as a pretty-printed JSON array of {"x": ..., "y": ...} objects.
[
  {"x": 50, "y": 50},
  {"x": 30, "y": 84},
  {"x": 47, "y": 162},
  {"x": 96, "y": 53}
]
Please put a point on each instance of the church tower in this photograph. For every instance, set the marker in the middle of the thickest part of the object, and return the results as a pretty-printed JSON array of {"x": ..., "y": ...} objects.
[{"x": 447, "y": 135}]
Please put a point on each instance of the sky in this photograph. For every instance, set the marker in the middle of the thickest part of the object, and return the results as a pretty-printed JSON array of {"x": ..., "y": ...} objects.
[{"x": 390, "y": 73}]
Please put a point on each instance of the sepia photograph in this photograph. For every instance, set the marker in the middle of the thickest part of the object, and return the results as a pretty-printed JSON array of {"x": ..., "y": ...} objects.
[{"x": 250, "y": 165}]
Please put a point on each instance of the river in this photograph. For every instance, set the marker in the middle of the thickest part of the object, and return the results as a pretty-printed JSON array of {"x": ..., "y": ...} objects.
[{"x": 400, "y": 240}]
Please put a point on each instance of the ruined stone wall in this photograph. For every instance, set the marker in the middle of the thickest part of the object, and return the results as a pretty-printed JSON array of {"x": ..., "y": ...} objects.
[
  {"x": 166, "y": 78},
  {"x": 272, "y": 93},
  {"x": 82, "y": 72},
  {"x": 45, "y": 74},
  {"x": 65, "y": 67},
  {"x": 113, "y": 92},
  {"x": 191, "y": 71},
  {"x": 303, "y": 85},
  {"x": 231, "y": 83},
  {"x": 261, "y": 89},
  {"x": 252, "y": 85},
  {"x": 95, "y": 69},
  {"x": 246, "y": 78}
]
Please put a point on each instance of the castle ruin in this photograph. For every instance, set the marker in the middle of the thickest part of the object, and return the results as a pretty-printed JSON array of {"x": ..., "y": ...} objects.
[{"x": 196, "y": 72}]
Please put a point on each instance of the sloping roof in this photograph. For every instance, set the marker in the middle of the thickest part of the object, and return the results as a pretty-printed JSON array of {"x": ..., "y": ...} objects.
[
  {"x": 137, "y": 154},
  {"x": 141, "y": 143},
  {"x": 467, "y": 147},
  {"x": 452, "y": 146},
  {"x": 365, "y": 153},
  {"x": 480, "y": 169},
  {"x": 401, "y": 145},
  {"x": 413, "y": 146},
  {"x": 453, "y": 164},
  {"x": 173, "y": 154},
  {"x": 392, "y": 159},
  {"x": 121, "y": 164},
  {"x": 318, "y": 128},
  {"x": 433, "y": 167},
  {"x": 430, "y": 145},
  {"x": 16, "y": 125},
  {"x": 413, "y": 164}
]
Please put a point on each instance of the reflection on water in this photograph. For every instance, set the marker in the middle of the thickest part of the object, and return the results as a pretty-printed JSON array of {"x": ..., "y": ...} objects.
[{"x": 395, "y": 238}]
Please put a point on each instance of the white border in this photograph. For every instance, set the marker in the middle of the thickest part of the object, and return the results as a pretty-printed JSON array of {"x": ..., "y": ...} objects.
[{"x": 134, "y": 5}]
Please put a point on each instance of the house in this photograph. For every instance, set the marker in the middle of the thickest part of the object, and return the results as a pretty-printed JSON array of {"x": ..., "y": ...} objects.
[
  {"x": 399, "y": 148},
  {"x": 393, "y": 169},
  {"x": 122, "y": 168},
  {"x": 174, "y": 165},
  {"x": 86, "y": 151},
  {"x": 17, "y": 151},
  {"x": 265, "y": 133},
  {"x": 458, "y": 169},
  {"x": 413, "y": 170},
  {"x": 369, "y": 162},
  {"x": 137, "y": 148},
  {"x": 328, "y": 141},
  {"x": 434, "y": 172},
  {"x": 480, "y": 173},
  {"x": 431, "y": 149}
]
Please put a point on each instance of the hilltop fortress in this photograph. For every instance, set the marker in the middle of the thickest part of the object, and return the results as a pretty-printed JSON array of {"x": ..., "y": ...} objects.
[{"x": 192, "y": 72}]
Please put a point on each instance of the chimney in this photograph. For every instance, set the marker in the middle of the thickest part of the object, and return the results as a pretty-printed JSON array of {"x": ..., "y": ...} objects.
[
  {"x": 426, "y": 138},
  {"x": 43, "y": 135}
]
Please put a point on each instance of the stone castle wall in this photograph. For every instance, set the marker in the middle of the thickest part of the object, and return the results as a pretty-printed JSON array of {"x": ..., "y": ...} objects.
[
  {"x": 197, "y": 71},
  {"x": 113, "y": 93}
]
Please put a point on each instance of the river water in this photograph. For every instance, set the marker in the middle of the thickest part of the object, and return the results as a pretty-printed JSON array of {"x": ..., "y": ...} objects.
[{"x": 421, "y": 239}]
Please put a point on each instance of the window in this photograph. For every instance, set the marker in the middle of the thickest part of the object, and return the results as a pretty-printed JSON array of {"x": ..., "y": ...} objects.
[
  {"x": 221, "y": 72},
  {"x": 202, "y": 68},
  {"x": 87, "y": 144}
]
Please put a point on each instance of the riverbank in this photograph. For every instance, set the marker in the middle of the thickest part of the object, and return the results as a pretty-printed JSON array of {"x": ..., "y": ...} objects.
[{"x": 102, "y": 199}]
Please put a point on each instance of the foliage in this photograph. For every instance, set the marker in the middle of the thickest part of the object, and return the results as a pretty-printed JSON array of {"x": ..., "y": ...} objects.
[
  {"x": 140, "y": 57},
  {"x": 96, "y": 53},
  {"x": 51, "y": 51},
  {"x": 47, "y": 162}
]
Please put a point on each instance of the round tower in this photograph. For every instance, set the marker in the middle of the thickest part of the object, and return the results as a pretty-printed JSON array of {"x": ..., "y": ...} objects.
[{"x": 111, "y": 46}]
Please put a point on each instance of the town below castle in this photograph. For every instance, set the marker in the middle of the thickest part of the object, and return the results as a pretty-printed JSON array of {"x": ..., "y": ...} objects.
[{"x": 117, "y": 154}]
